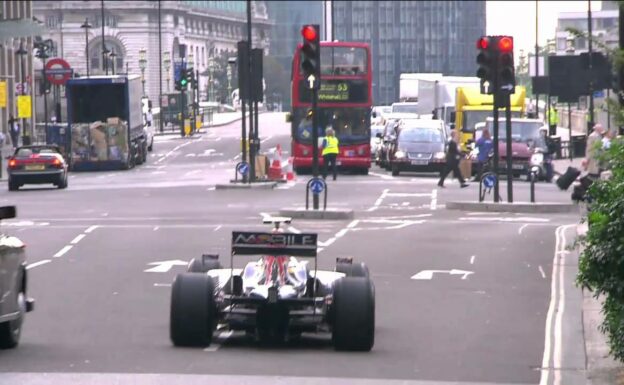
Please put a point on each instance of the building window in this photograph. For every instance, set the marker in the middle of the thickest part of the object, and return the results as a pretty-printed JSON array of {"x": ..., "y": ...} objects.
[
  {"x": 109, "y": 21},
  {"x": 95, "y": 57},
  {"x": 52, "y": 21}
]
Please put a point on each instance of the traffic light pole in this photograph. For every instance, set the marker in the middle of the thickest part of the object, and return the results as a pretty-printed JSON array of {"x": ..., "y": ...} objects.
[
  {"x": 182, "y": 111},
  {"x": 495, "y": 116},
  {"x": 315, "y": 147},
  {"x": 508, "y": 151}
]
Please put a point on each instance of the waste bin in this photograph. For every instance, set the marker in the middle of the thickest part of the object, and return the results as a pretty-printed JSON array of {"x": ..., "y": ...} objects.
[
  {"x": 578, "y": 144},
  {"x": 557, "y": 142}
]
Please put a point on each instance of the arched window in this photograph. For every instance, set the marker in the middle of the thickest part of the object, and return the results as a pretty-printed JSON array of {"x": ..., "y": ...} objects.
[{"x": 113, "y": 47}]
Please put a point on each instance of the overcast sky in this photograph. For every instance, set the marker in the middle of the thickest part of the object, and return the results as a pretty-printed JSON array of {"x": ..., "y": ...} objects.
[{"x": 517, "y": 18}]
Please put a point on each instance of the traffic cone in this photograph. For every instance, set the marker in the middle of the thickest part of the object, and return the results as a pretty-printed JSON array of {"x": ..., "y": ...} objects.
[
  {"x": 275, "y": 170},
  {"x": 290, "y": 173}
]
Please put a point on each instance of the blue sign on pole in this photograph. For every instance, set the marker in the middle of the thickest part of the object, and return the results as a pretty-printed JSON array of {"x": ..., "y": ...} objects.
[
  {"x": 317, "y": 185},
  {"x": 489, "y": 181},
  {"x": 178, "y": 67},
  {"x": 243, "y": 168},
  {"x": 599, "y": 94}
]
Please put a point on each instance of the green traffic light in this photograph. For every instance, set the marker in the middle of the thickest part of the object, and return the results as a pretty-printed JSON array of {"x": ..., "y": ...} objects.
[{"x": 183, "y": 82}]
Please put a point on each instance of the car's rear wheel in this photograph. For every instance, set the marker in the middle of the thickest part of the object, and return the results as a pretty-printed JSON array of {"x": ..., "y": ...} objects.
[
  {"x": 11, "y": 331},
  {"x": 353, "y": 314},
  {"x": 13, "y": 186},
  {"x": 62, "y": 183},
  {"x": 358, "y": 269},
  {"x": 201, "y": 265},
  {"x": 193, "y": 311}
]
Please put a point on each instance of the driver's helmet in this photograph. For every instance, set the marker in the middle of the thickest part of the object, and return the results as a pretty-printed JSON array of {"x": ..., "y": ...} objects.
[{"x": 296, "y": 273}]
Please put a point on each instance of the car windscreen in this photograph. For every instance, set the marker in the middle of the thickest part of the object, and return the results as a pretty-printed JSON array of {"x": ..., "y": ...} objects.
[
  {"x": 424, "y": 135},
  {"x": 520, "y": 131},
  {"x": 44, "y": 151}
]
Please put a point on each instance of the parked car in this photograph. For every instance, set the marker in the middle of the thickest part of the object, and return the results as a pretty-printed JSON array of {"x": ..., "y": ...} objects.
[
  {"x": 13, "y": 300},
  {"x": 419, "y": 145},
  {"x": 37, "y": 164}
]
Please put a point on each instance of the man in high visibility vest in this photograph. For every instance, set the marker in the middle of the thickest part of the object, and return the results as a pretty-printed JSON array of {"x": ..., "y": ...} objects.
[
  {"x": 553, "y": 120},
  {"x": 330, "y": 152}
]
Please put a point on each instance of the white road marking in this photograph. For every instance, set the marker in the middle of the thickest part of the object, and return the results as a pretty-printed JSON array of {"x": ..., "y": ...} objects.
[
  {"x": 105, "y": 214},
  {"x": 428, "y": 274},
  {"x": 43, "y": 262},
  {"x": 193, "y": 172},
  {"x": 190, "y": 155},
  {"x": 353, "y": 224},
  {"x": 223, "y": 336},
  {"x": 405, "y": 204},
  {"x": 217, "y": 228},
  {"x": 382, "y": 176},
  {"x": 378, "y": 201},
  {"x": 164, "y": 266},
  {"x": 91, "y": 228},
  {"x": 472, "y": 259},
  {"x": 542, "y": 271},
  {"x": 505, "y": 219},
  {"x": 211, "y": 188},
  {"x": 522, "y": 228},
  {"x": 408, "y": 195},
  {"x": 62, "y": 251},
  {"x": 218, "y": 139},
  {"x": 327, "y": 242},
  {"x": 156, "y": 228},
  {"x": 77, "y": 239},
  {"x": 162, "y": 285},
  {"x": 174, "y": 150},
  {"x": 265, "y": 139},
  {"x": 434, "y": 199},
  {"x": 264, "y": 215},
  {"x": 237, "y": 157},
  {"x": 294, "y": 230}
]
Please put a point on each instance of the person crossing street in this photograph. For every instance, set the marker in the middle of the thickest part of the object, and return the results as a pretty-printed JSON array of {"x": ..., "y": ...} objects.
[
  {"x": 453, "y": 157},
  {"x": 330, "y": 152}
]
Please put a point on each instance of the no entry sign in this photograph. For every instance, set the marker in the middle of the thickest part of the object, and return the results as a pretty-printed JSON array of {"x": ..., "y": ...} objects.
[{"x": 58, "y": 71}]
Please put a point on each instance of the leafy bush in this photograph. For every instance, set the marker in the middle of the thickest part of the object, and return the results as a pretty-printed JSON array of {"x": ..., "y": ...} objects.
[{"x": 601, "y": 265}]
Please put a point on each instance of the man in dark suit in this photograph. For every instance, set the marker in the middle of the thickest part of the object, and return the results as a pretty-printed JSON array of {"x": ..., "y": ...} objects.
[{"x": 453, "y": 156}]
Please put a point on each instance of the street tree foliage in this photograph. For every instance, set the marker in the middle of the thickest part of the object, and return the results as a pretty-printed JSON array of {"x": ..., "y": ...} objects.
[{"x": 601, "y": 264}]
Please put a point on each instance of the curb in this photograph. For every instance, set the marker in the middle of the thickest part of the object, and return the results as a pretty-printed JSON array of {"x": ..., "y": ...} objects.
[
  {"x": 246, "y": 186},
  {"x": 516, "y": 207},
  {"x": 330, "y": 214}
]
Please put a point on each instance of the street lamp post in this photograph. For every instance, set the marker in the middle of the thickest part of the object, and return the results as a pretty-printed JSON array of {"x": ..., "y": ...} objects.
[
  {"x": 142, "y": 66},
  {"x": 86, "y": 27},
  {"x": 113, "y": 55},
  {"x": 22, "y": 52},
  {"x": 167, "y": 62},
  {"x": 190, "y": 65},
  {"x": 105, "y": 53},
  {"x": 43, "y": 55}
]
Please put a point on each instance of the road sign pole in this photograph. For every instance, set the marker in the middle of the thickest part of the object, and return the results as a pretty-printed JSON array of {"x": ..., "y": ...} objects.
[
  {"x": 495, "y": 116},
  {"x": 315, "y": 149},
  {"x": 509, "y": 152}
]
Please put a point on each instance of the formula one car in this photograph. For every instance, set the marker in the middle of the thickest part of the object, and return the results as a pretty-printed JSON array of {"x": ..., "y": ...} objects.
[{"x": 275, "y": 297}]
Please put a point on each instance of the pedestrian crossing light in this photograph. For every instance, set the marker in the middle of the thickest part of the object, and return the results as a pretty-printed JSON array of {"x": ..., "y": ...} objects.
[
  {"x": 486, "y": 58},
  {"x": 311, "y": 54}
]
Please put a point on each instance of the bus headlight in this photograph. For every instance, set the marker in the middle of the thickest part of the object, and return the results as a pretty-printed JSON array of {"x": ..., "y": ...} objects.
[
  {"x": 305, "y": 152},
  {"x": 537, "y": 158},
  {"x": 400, "y": 154},
  {"x": 439, "y": 155}
]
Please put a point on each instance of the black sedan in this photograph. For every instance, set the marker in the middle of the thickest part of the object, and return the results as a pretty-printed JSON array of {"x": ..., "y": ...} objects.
[{"x": 37, "y": 165}]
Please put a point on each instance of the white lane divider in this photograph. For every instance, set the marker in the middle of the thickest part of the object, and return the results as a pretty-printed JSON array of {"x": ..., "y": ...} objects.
[
  {"x": 378, "y": 201},
  {"x": 43, "y": 262},
  {"x": 434, "y": 199},
  {"x": 77, "y": 239},
  {"x": 62, "y": 252}
]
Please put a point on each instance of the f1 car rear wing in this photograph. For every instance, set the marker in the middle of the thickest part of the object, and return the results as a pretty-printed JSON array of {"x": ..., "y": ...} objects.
[{"x": 252, "y": 243}]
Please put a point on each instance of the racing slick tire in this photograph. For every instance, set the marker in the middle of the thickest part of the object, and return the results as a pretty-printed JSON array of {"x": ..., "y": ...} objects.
[
  {"x": 353, "y": 269},
  {"x": 353, "y": 314},
  {"x": 199, "y": 265},
  {"x": 10, "y": 331},
  {"x": 193, "y": 310}
]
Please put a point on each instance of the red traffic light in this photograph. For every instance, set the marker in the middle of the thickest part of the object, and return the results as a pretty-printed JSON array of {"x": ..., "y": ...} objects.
[
  {"x": 505, "y": 44},
  {"x": 483, "y": 43},
  {"x": 309, "y": 33}
]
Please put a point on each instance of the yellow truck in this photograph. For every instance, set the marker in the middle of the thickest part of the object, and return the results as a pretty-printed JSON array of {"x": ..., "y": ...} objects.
[{"x": 471, "y": 108}]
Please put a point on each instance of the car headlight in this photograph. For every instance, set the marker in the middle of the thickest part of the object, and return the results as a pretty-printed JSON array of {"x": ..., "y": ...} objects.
[
  {"x": 439, "y": 155},
  {"x": 400, "y": 154},
  {"x": 537, "y": 158}
]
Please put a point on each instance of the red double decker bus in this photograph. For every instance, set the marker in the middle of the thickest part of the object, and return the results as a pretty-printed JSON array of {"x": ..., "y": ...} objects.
[{"x": 344, "y": 104}]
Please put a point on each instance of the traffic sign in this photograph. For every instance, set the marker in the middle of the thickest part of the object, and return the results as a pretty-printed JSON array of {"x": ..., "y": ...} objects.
[
  {"x": 243, "y": 168},
  {"x": 24, "y": 106},
  {"x": 3, "y": 93},
  {"x": 317, "y": 185},
  {"x": 21, "y": 89},
  {"x": 489, "y": 180},
  {"x": 58, "y": 71}
]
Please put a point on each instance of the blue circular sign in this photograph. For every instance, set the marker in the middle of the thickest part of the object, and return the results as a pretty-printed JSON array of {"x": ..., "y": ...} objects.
[
  {"x": 243, "y": 168},
  {"x": 489, "y": 180},
  {"x": 317, "y": 185}
]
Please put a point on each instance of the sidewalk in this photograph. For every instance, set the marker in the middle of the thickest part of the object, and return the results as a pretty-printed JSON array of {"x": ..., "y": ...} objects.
[{"x": 601, "y": 368}]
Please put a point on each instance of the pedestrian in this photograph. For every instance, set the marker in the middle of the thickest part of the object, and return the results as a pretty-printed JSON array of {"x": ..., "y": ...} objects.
[
  {"x": 13, "y": 130},
  {"x": 591, "y": 163},
  {"x": 553, "y": 120},
  {"x": 330, "y": 152},
  {"x": 453, "y": 157},
  {"x": 548, "y": 147},
  {"x": 485, "y": 145}
]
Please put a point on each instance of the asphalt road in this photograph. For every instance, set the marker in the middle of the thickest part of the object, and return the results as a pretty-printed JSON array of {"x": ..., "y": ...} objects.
[{"x": 462, "y": 297}]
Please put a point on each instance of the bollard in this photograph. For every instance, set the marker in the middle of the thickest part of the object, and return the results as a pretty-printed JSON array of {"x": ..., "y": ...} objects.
[{"x": 308, "y": 188}]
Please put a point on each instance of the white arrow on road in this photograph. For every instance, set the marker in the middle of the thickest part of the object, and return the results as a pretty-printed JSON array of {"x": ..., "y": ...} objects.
[
  {"x": 164, "y": 266},
  {"x": 428, "y": 274},
  {"x": 311, "y": 80}
]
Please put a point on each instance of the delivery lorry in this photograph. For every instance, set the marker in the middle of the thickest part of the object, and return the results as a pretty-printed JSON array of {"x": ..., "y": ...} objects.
[
  {"x": 105, "y": 123},
  {"x": 408, "y": 85},
  {"x": 437, "y": 96}
]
